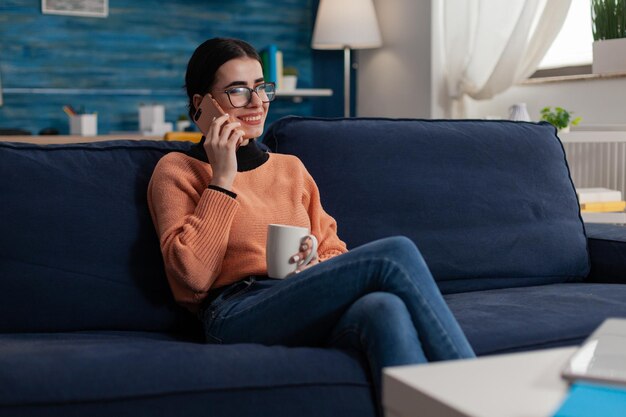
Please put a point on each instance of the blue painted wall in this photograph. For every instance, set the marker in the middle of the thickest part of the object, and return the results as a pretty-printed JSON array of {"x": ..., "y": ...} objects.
[{"x": 138, "y": 54}]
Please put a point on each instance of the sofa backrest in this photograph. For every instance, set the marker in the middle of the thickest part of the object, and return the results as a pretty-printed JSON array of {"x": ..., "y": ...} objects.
[
  {"x": 78, "y": 249},
  {"x": 489, "y": 203}
]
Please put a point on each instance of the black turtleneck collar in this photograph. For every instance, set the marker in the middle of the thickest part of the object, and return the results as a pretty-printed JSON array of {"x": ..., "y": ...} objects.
[{"x": 249, "y": 157}]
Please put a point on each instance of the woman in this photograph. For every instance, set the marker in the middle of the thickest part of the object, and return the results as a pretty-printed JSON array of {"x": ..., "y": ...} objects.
[{"x": 211, "y": 209}]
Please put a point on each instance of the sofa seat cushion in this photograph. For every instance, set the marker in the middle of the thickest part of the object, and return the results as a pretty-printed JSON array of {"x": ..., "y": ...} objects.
[
  {"x": 528, "y": 318},
  {"x": 480, "y": 198},
  {"x": 100, "y": 373}
]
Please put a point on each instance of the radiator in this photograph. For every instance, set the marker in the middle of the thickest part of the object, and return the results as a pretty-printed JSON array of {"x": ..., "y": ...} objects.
[{"x": 597, "y": 159}]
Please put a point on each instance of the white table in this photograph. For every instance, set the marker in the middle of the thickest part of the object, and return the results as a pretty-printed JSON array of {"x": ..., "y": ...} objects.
[{"x": 513, "y": 385}]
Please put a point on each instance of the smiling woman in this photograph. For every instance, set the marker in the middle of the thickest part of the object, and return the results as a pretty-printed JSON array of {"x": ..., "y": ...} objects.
[{"x": 212, "y": 209}]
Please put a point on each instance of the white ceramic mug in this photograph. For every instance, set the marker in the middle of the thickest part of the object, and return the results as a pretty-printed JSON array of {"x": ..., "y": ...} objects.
[{"x": 282, "y": 243}]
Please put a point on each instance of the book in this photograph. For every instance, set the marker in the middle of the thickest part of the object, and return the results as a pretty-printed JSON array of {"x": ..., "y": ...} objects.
[
  {"x": 593, "y": 400},
  {"x": 265, "y": 61},
  {"x": 605, "y": 207},
  {"x": 279, "y": 69},
  {"x": 270, "y": 64},
  {"x": 597, "y": 195}
]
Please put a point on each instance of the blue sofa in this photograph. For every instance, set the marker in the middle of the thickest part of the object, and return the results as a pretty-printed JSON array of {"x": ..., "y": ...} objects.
[{"x": 88, "y": 325}]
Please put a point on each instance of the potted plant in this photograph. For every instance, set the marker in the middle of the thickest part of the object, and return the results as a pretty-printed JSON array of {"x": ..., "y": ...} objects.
[
  {"x": 609, "y": 34},
  {"x": 290, "y": 79},
  {"x": 182, "y": 123},
  {"x": 559, "y": 118}
]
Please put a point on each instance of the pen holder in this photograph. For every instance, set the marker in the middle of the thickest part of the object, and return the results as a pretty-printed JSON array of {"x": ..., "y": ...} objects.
[
  {"x": 149, "y": 115},
  {"x": 84, "y": 124}
]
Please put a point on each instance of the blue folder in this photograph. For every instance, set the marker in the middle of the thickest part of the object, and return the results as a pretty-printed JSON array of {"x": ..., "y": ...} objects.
[{"x": 593, "y": 400}]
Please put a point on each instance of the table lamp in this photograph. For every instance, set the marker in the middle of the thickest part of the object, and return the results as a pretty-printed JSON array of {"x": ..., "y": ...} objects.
[{"x": 346, "y": 24}]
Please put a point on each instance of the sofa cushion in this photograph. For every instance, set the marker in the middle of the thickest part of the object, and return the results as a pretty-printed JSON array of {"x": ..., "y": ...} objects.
[
  {"x": 78, "y": 249},
  {"x": 489, "y": 203},
  {"x": 529, "y": 318},
  {"x": 137, "y": 374}
]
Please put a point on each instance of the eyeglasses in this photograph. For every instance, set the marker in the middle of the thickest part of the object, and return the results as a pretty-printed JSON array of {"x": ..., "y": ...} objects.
[{"x": 242, "y": 96}]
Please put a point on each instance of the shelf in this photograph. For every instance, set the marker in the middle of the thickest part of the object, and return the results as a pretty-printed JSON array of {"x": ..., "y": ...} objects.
[
  {"x": 599, "y": 128},
  {"x": 614, "y": 218},
  {"x": 587, "y": 136},
  {"x": 299, "y": 93},
  {"x": 577, "y": 77},
  {"x": 62, "y": 139},
  {"x": 305, "y": 92}
]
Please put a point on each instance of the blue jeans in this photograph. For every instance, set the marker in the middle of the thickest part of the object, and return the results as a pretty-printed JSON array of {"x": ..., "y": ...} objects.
[{"x": 379, "y": 298}]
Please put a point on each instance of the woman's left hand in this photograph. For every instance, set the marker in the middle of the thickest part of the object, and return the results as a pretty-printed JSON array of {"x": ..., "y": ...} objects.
[{"x": 300, "y": 257}]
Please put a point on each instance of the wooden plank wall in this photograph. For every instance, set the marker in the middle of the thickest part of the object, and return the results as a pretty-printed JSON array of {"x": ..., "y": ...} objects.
[{"x": 138, "y": 54}]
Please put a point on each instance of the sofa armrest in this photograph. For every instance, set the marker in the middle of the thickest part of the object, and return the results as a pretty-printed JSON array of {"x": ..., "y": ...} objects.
[{"x": 607, "y": 253}]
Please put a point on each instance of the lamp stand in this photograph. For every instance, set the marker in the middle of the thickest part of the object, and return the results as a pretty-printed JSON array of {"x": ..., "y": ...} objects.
[{"x": 346, "y": 81}]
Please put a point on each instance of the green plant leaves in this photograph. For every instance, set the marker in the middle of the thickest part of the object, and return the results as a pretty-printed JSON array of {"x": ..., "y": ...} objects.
[
  {"x": 608, "y": 19},
  {"x": 560, "y": 118}
]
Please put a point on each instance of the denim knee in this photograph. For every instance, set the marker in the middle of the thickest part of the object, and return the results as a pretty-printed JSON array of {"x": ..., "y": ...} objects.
[
  {"x": 374, "y": 313},
  {"x": 384, "y": 305},
  {"x": 400, "y": 247}
]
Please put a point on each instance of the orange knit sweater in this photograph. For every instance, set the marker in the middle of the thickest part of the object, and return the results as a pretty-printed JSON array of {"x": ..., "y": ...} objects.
[{"x": 209, "y": 239}]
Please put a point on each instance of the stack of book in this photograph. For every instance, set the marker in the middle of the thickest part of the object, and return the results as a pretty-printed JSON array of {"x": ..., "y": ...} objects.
[
  {"x": 272, "y": 59},
  {"x": 600, "y": 200}
]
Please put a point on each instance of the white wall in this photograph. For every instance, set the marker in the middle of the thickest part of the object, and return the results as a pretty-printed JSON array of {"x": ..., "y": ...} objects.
[
  {"x": 395, "y": 80},
  {"x": 600, "y": 101}
]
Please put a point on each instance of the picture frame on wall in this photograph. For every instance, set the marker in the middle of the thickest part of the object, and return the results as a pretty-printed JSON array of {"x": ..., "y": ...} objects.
[{"x": 88, "y": 8}]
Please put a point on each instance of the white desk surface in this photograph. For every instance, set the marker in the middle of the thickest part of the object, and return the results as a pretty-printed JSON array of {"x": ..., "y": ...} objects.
[{"x": 514, "y": 385}]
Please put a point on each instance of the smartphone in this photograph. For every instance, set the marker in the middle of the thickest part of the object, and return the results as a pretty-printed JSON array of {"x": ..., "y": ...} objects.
[{"x": 208, "y": 109}]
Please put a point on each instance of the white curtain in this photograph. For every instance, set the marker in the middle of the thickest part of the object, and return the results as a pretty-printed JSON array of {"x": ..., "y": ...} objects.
[{"x": 489, "y": 45}]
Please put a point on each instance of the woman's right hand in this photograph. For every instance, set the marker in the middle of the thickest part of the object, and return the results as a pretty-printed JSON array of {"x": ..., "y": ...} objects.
[{"x": 222, "y": 141}]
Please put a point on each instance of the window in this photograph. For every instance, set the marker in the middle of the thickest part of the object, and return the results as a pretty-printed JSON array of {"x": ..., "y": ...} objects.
[{"x": 571, "y": 51}]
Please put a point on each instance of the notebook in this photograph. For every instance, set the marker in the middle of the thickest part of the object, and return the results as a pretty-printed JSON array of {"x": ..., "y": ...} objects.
[{"x": 602, "y": 357}]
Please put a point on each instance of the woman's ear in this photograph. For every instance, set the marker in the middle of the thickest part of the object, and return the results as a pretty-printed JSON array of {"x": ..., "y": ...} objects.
[{"x": 197, "y": 99}]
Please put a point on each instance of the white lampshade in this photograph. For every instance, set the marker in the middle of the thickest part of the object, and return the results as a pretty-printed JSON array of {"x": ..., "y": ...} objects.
[{"x": 346, "y": 23}]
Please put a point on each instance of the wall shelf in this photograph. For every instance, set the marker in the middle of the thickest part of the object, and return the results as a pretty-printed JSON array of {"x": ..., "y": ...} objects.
[
  {"x": 63, "y": 139},
  {"x": 576, "y": 77},
  {"x": 588, "y": 136},
  {"x": 298, "y": 94}
]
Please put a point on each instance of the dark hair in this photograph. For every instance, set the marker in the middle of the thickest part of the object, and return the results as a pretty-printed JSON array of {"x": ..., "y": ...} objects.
[{"x": 206, "y": 60}]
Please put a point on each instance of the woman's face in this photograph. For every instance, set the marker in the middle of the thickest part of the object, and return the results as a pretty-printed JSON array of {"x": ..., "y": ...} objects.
[{"x": 242, "y": 72}]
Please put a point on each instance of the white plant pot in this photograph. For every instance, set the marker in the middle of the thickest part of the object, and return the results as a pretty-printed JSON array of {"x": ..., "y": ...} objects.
[
  {"x": 609, "y": 56},
  {"x": 289, "y": 82},
  {"x": 181, "y": 125}
]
